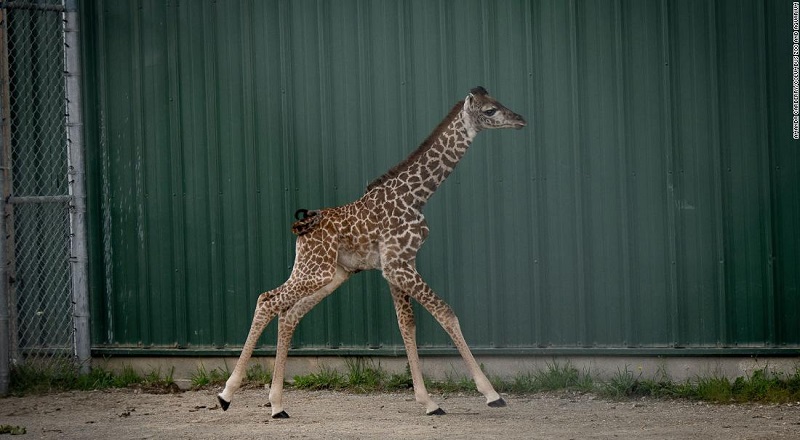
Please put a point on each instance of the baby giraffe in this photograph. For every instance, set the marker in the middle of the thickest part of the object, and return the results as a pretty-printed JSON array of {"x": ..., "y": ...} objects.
[{"x": 382, "y": 230}]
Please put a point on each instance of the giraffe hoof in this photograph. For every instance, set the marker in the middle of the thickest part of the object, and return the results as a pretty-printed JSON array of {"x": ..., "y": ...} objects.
[
  {"x": 280, "y": 415},
  {"x": 223, "y": 403},
  {"x": 499, "y": 403},
  {"x": 437, "y": 412}
]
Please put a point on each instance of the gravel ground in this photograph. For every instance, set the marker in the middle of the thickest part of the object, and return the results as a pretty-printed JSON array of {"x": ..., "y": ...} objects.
[{"x": 132, "y": 414}]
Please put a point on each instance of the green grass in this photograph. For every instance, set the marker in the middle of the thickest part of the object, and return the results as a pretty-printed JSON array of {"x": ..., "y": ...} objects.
[
  {"x": 453, "y": 383},
  {"x": 32, "y": 379},
  {"x": 156, "y": 380},
  {"x": 761, "y": 386},
  {"x": 13, "y": 430},
  {"x": 202, "y": 378},
  {"x": 622, "y": 384},
  {"x": 363, "y": 375},
  {"x": 399, "y": 381},
  {"x": 258, "y": 375},
  {"x": 326, "y": 379},
  {"x": 554, "y": 377},
  {"x": 255, "y": 375}
]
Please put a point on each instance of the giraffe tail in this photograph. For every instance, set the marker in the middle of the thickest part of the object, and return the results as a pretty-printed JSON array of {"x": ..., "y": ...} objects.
[{"x": 306, "y": 221}]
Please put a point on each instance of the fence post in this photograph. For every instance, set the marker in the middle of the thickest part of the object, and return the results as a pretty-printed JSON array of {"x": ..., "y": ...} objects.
[
  {"x": 5, "y": 163},
  {"x": 77, "y": 186}
]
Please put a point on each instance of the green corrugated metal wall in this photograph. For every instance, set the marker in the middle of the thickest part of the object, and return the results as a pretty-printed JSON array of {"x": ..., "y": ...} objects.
[{"x": 653, "y": 200}]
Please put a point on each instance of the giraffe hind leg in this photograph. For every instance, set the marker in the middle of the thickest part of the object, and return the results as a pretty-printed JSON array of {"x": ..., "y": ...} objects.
[
  {"x": 314, "y": 268},
  {"x": 262, "y": 316},
  {"x": 287, "y": 323}
]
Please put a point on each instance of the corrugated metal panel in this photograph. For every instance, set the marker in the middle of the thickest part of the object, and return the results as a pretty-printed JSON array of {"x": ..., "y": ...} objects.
[{"x": 652, "y": 201}]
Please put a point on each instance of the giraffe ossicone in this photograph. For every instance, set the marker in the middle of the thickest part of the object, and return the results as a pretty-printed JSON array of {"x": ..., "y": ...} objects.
[{"x": 382, "y": 230}]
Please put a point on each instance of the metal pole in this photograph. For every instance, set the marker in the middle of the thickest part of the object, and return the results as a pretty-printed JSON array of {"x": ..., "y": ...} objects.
[
  {"x": 77, "y": 187},
  {"x": 5, "y": 164}
]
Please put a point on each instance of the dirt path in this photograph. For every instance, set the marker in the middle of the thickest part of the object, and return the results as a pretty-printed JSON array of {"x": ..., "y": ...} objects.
[{"x": 129, "y": 414}]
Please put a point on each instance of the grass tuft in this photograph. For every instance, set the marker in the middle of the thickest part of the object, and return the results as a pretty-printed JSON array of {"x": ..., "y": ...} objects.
[
  {"x": 714, "y": 389},
  {"x": 452, "y": 383},
  {"x": 155, "y": 379},
  {"x": 554, "y": 377},
  {"x": 326, "y": 379},
  {"x": 13, "y": 430},
  {"x": 364, "y": 376},
  {"x": 400, "y": 381},
  {"x": 258, "y": 375},
  {"x": 255, "y": 375},
  {"x": 621, "y": 385},
  {"x": 203, "y": 378}
]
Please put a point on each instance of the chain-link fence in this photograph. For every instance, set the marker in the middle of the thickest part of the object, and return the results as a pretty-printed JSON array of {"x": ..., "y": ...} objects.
[{"x": 37, "y": 179}]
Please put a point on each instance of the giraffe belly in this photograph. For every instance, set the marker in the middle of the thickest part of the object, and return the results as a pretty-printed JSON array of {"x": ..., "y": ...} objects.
[{"x": 363, "y": 259}]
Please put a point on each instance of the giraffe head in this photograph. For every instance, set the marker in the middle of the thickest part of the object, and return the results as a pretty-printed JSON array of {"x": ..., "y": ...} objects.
[{"x": 485, "y": 112}]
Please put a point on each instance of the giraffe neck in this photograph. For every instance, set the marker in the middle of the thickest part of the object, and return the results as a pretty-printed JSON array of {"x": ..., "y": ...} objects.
[{"x": 415, "y": 179}]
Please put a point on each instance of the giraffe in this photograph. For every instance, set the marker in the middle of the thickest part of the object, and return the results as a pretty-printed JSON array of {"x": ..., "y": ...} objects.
[{"x": 382, "y": 230}]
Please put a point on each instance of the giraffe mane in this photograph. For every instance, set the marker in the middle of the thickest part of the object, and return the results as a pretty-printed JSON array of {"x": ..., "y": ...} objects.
[{"x": 397, "y": 169}]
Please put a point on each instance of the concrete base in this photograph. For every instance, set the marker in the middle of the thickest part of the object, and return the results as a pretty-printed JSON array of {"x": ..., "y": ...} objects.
[{"x": 677, "y": 369}]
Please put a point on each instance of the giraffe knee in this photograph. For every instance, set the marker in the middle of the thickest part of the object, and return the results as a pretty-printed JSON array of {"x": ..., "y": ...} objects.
[
  {"x": 398, "y": 277},
  {"x": 406, "y": 321},
  {"x": 448, "y": 313},
  {"x": 445, "y": 314},
  {"x": 266, "y": 296}
]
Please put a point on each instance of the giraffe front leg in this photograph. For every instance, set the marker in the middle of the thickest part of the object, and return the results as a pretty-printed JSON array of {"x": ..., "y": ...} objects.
[
  {"x": 408, "y": 329},
  {"x": 411, "y": 282}
]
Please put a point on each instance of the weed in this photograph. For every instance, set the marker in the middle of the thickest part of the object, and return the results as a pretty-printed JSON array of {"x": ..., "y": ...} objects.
[
  {"x": 793, "y": 383},
  {"x": 714, "y": 389},
  {"x": 127, "y": 377},
  {"x": 763, "y": 386},
  {"x": 452, "y": 383},
  {"x": 100, "y": 378},
  {"x": 554, "y": 377},
  {"x": 363, "y": 375},
  {"x": 203, "y": 378},
  {"x": 13, "y": 430},
  {"x": 32, "y": 378},
  {"x": 258, "y": 375},
  {"x": 154, "y": 377},
  {"x": 621, "y": 385},
  {"x": 326, "y": 379},
  {"x": 557, "y": 377},
  {"x": 656, "y": 388},
  {"x": 156, "y": 383},
  {"x": 399, "y": 381}
]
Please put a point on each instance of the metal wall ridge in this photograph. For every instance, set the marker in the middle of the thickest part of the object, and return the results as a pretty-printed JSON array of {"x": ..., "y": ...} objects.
[{"x": 478, "y": 351}]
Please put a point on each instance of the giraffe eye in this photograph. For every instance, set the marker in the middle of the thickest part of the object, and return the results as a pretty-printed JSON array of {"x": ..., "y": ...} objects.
[{"x": 490, "y": 112}]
